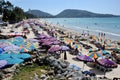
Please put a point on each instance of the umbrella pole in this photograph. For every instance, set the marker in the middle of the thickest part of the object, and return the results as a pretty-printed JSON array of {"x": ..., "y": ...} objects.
[
  {"x": 104, "y": 73},
  {"x": 83, "y": 66}
]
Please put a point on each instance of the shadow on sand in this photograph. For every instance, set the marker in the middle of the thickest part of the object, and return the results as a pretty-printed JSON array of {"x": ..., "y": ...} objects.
[
  {"x": 97, "y": 71},
  {"x": 75, "y": 59}
]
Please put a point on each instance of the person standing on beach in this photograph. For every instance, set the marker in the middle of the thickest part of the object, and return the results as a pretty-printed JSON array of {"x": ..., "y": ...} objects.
[{"x": 103, "y": 47}]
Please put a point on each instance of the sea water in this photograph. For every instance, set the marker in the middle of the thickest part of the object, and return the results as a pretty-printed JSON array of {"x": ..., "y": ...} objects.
[{"x": 109, "y": 26}]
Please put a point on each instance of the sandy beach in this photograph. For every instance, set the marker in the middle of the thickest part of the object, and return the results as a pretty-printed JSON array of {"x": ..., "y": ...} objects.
[{"x": 70, "y": 58}]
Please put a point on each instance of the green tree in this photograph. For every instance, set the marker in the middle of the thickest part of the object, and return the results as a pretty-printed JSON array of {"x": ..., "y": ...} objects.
[
  {"x": 20, "y": 13},
  {"x": 6, "y": 15}
]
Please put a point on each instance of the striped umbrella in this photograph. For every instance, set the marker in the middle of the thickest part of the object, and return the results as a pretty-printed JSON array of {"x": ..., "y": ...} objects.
[{"x": 94, "y": 55}]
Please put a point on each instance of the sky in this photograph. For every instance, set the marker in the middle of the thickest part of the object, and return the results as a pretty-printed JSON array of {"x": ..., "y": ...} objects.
[{"x": 56, "y": 6}]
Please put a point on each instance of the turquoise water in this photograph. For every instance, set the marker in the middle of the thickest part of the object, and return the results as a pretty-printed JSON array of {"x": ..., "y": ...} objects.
[{"x": 109, "y": 26}]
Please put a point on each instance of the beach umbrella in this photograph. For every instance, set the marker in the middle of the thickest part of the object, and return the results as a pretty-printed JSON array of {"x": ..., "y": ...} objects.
[
  {"x": 4, "y": 44},
  {"x": 41, "y": 36},
  {"x": 4, "y": 56},
  {"x": 19, "y": 38},
  {"x": 3, "y": 63},
  {"x": 48, "y": 37},
  {"x": 64, "y": 48},
  {"x": 103, "y": 52},
  {"x": 94, "y": 55},
  {"x": 44, "y": 40},
  {"x": 30, "y": 47},
  {"x": 12, "y": 61},
  {"x": 76, "y": 46},
  {"x": 12, "y": 48},
  {"x": 24, "y": 49},
  {"x": 93, "y": 50},
  {"x": 21, "y": 56},
  {"x": 1, "y": 50},
  {"x": 18, "y": 41},
  {"x": 54, "y": 48},
  {"x": 56, "y": 42},
  {"x": 8, "y": 54},
  {"x": 52, "y": 39},
  {"x": 47, "y": 43},
  {"x": 107, "y": 63},
  {"x": 84, "y": 58}
]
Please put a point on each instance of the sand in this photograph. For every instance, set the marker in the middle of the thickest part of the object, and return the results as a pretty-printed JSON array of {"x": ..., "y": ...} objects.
[{"x": 70, "y": 58}]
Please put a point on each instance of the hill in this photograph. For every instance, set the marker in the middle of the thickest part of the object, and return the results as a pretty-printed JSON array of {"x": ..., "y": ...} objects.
[
  {"x": 39, "y": 14},
  {"x": 73, "y": 13},
  {"x": 69, "y": 13}
]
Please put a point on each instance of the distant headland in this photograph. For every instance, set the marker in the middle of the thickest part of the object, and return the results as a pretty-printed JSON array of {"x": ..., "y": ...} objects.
[{"x": 69, "y": 13}]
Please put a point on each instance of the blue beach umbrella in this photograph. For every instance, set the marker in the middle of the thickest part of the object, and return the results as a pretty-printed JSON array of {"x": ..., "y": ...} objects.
[
  {"x": 19, "y": 38},
  {"x": 93, "y": 50},
  {"x": 1, "y": 50},
  {"x": 12, "y": 61},
  {"x": 8, "y": 54},
  {"x": 32, "y": 47},
  {"x": 23, "y": 50},
  {"x": 104, "y": 52},
  {"x": 23, "y": 56},
  {"x": 4, "y": 56}
]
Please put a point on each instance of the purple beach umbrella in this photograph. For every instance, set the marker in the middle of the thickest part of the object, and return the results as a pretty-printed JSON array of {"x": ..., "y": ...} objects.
[
  {"x": 54, "y": 48},
  {"x": 52, "y": 39},
  {"x": 12, "y": 48},
  {"x": 41, "y": 36},
  {"x": 44, "y": 40},
  {"x": 4, "y": 44},
  {"x": 84, "y": 58},
  {"x": 3, "y": 63},
  {"x": 107, "y": 63},
  {"x": 46, "y": 43},
  {"x": 48, "y": 37},
  {"x": 56, "y": 42},
  {"x": 65, "y": 48}
]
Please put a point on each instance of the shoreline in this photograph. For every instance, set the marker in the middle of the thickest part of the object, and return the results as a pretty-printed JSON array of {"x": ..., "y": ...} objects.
[{"x": 109, "y": 35}]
